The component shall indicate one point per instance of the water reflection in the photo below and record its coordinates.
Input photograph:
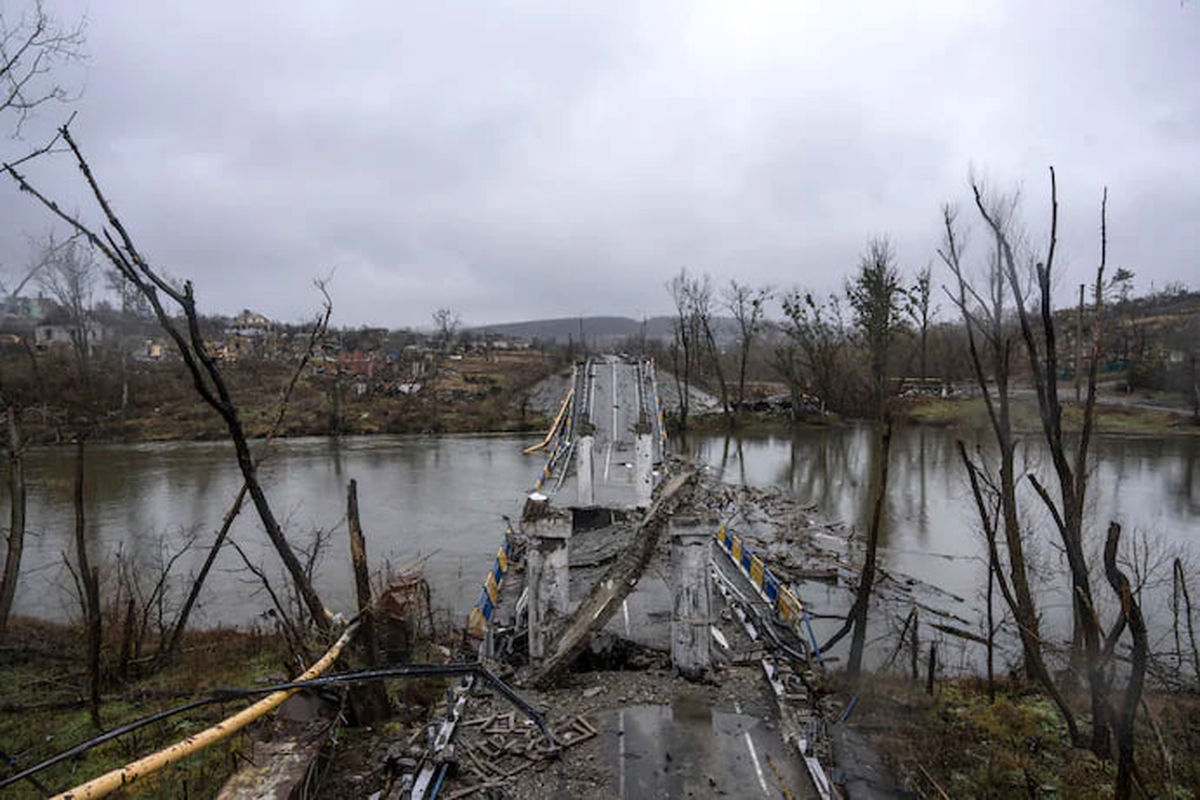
(1148, 484)
(436, 501)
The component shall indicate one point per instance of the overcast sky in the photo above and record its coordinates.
(520, 160)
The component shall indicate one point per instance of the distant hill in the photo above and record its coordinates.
(598, 331)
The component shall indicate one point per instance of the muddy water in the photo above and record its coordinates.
(1150, 485)
(437, 502)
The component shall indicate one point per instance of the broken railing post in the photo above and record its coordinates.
(547, 567)
(691, 614)
(644, 468)
(585, 489)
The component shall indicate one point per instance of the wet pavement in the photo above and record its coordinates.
(689, 748)
(613, 395)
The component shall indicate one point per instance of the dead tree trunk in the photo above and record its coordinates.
(991, 630)
(984, 317)
(194, 593)
(932, 668)
(1181, 589)
(1033, 657)
(1132, 613)
(16, 525)
(914, 649)
(185, 611)
(370, 701)
(89, 576)
(867, 580)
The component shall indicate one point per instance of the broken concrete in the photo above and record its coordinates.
(691, 614)
(547, 571)
(615, 585)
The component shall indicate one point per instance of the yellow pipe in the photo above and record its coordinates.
(111, 781)
(561, 410)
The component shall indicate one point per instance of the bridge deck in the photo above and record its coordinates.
(612, 395)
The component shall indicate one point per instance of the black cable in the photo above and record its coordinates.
(355, 676)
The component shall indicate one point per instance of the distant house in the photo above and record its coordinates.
(248, 332)
(149, 350)
(52, 335)
(25, 308)
(251, 324)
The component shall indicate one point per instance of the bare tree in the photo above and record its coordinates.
(919, 308)
(32, 46)
(684, 342)
(986, 318)
(206, 375)
(445, 326)
(984, 313)
(746, 304)
(69, 276)
(874, 294)
(700, 300)
(1071, 471)
(819, 333)
(320, 327)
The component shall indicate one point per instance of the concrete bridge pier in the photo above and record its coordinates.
(547, 568)
(644, 469)
(691, 614)
(584, 480)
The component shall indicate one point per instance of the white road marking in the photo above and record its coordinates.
(621, 754)
(737, 708)
(625, 611)
(613, 433)
(757, 767)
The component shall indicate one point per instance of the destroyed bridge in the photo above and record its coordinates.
(614, 557)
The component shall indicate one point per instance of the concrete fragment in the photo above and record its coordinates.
(547, 570)
(691, 615)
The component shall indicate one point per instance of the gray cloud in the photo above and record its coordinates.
(547, 159)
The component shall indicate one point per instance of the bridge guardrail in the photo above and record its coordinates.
(485, 606)
(767, 584)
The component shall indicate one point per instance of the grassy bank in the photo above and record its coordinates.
(42, 669)
(960, 744)
(158, 402)
(968, 414)
(1110, 418)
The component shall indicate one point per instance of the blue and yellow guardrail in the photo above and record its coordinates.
(485, 606)
(562, 443)
(768, 585)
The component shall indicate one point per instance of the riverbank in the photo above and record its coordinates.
(159, 403)
(1113, 418)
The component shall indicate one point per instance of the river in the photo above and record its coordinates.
(1151, 485)
(438, 502)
